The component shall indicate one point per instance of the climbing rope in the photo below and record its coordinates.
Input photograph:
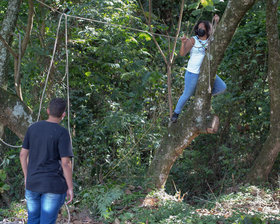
(49, 70)
(68, 212)
(67, 75)
(213, 27)
(46, 81)
(106, 23)
(7, 144)
(209, 71)
(68, 99)
(47, 77)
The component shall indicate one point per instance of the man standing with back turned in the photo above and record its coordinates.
(46, 164)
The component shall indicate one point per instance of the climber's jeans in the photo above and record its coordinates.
(190, 85)
(43, 208)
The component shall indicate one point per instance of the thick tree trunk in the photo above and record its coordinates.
(197, 118)
(265, 160)
(7, 29)
(14, 114)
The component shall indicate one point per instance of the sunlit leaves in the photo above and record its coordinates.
(206, 2)
(145, 36)
(207, 5)
(88, 74)
(131, 40)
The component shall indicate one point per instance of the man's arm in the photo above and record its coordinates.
(24, 162)
(67, 170)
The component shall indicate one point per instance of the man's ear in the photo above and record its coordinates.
(63, 115)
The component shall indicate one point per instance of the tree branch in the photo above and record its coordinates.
(22, 48)
(28, 27)
(8, 47)
(151, 30)
(178, 31)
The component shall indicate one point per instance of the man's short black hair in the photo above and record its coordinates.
(57, 107)
(207, 27)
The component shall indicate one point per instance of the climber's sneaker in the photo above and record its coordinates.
(174, 117)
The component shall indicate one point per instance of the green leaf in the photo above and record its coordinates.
(88, 74)
(3, 175)
(210, 8)
(205, 3)
(145, 36)
(131, 40)
(196, 12)
(6, 187)
(193, 5)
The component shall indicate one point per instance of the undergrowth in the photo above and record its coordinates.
(130, 204)
(134, 206)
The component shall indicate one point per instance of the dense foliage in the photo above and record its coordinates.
(119, 110)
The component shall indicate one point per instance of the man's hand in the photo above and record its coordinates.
(69, 196)
(67, 171)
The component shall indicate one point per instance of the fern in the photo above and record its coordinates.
(105, 201)
(101, 199)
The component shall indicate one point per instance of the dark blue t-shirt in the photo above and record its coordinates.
(47, 143)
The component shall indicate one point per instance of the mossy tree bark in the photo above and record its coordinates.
(271, 148)
(6, 31)
(14, 114)
(197, 117)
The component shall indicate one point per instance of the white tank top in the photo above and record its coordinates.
(197, 54)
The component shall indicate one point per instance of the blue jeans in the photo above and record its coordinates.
(190, 85)
(43, 208)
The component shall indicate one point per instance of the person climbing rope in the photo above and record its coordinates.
(196, 45)
(45, 161)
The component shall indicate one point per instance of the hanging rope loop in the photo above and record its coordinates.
(47, 78)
